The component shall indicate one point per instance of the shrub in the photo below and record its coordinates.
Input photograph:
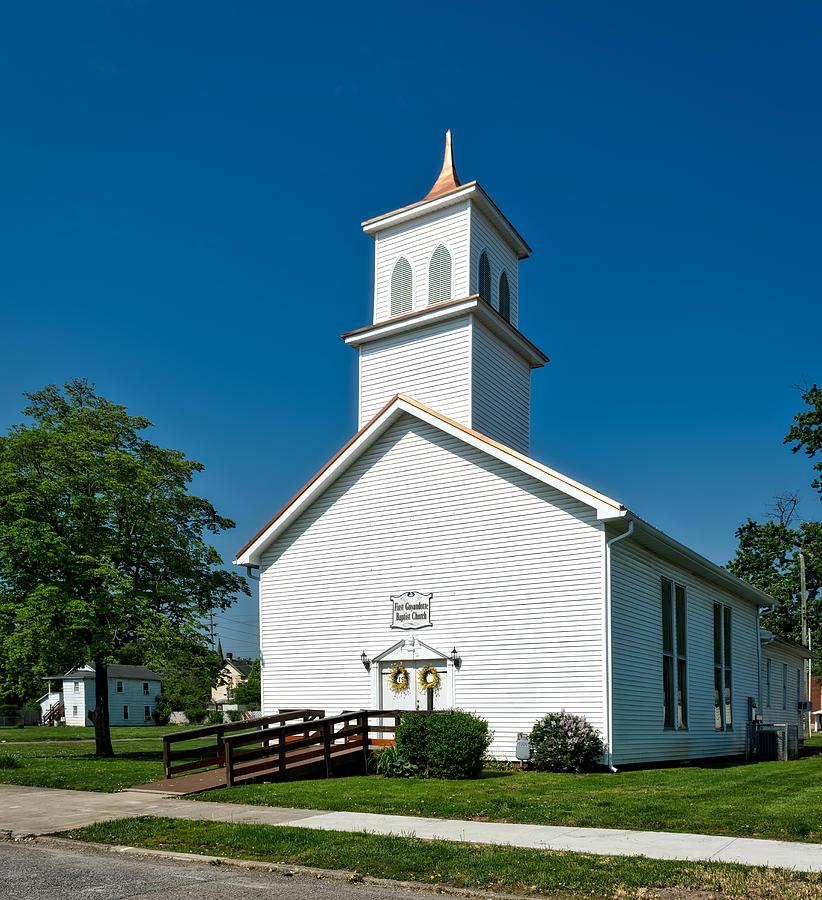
(215, 717)
(9, 760)
(234, 715)
(563, 742)
(391, 763)
(195, 714)
(446, 745)
(162, 710)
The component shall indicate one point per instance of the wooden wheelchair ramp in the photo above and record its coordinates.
(302, 744)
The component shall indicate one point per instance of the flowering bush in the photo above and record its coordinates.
(563, 742)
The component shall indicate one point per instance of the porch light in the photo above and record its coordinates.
(455, 658)
(365, 661)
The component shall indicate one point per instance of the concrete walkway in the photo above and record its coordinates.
(28, 810)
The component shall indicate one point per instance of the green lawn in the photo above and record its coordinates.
(569, 875)
(772, 800)
(37, 733)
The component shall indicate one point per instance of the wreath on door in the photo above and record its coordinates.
(429, 678)
(398, 678)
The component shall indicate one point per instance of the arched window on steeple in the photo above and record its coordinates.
(439, 276)
(504, 298)
(484, 277)
(402, 287)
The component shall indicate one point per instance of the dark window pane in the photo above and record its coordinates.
(717, 698)
(717, 634)
(728, 704)
(668, 688)
(728, 636)
(681, 645)
(682, 694)
(667, 618)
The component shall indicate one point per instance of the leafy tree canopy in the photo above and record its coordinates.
(768, 554)
(249, 692)
(101, 544)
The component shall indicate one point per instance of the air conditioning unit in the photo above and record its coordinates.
(778, 742)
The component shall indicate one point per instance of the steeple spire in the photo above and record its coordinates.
(448, 179)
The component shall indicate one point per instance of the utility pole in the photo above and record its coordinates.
(211, 626)
(803, 600)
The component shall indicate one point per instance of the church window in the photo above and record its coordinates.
(402, 281)
(722, 667)
(439, 276)
(674, 656)
(504, 298)
(484, 277)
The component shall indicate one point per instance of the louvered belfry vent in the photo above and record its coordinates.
(439, 276)
(504, 298)
(484, 277)
(402, 287)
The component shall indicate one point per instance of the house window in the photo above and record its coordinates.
(145, 689)
(504, 298)
(768, 668)
(674, 656)
(784, 685)
(484, 277)
(439, 276)
(76, 687)
(147, 713)
(798, 687)
(125, 712)
(119, 687)
(74, 710)
(402, 281)
(722, 667)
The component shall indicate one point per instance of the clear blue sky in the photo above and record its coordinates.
(181, 187)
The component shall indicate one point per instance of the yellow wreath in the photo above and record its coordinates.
(429, 677)
(398, 678)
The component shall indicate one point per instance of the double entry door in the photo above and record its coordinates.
(415, 696)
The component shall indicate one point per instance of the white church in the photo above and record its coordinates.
(433, 543)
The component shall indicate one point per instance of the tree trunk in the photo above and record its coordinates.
(102, 734)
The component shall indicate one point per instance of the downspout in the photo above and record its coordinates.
(608, 680)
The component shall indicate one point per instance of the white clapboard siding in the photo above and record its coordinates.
(639, 735)
(432, 365)
(500, 390)
(783, 707)
(514, 567)
(416, 241)
(501, 258)
(77, 698)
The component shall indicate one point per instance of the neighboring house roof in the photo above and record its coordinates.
(607, 509)
(768, 637)
(140, 673)
(243, 666)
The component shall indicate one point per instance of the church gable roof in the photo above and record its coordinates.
(605, 507)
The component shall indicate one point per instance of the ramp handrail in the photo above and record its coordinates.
(213, 755)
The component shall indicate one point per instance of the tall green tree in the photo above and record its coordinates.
(102, 546)
(249, 692)
(769, 552)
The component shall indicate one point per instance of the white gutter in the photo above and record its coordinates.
(609, 686)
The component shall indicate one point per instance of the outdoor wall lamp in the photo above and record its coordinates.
(455, 658)
(365, 661)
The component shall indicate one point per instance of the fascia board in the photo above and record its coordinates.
(472, 305)
(426, 317)
(493, 212)
(610, 509)
(251, 555)
(401, 216)
(692, 561)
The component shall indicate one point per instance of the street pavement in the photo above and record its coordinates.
(40, 871)
(30, 810)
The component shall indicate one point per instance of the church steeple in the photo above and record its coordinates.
(448, 179)
(446, 311)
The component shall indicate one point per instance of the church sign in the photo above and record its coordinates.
(411, 609)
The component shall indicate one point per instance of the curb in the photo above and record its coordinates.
(284, 869)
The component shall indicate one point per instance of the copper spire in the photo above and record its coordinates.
(448, 179)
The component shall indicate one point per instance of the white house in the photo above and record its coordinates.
(433, 540)
(233, 673)
(132, 695)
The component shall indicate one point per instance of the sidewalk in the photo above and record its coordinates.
(29, 810)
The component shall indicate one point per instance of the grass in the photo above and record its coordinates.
(441, 863)
(38, 733)
(73, 765)
(780, 800)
